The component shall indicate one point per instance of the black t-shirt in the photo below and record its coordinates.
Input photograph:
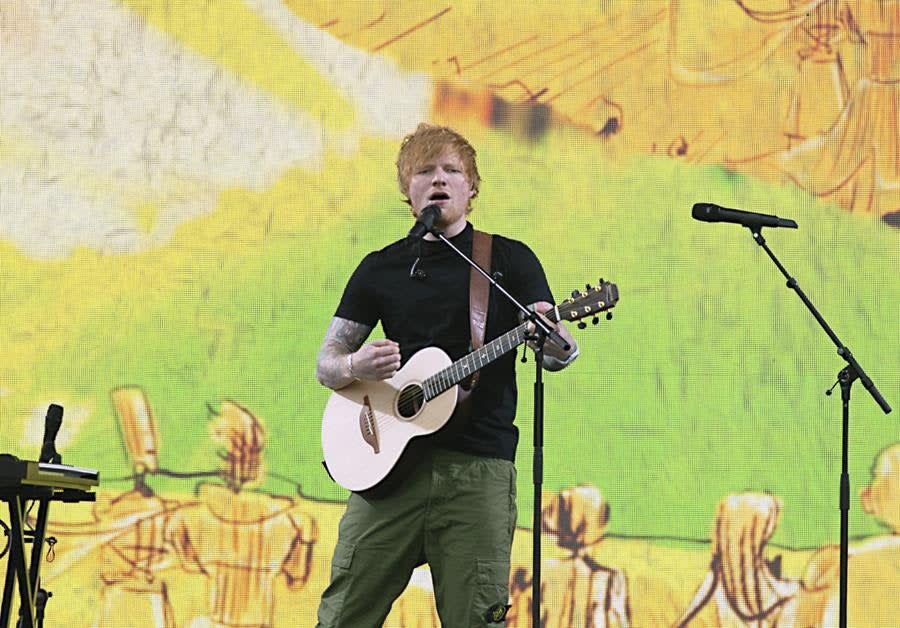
(434, 311)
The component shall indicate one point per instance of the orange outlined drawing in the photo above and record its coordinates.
(129, 529)
(856, 162)
(242, 540)
(842, 122)
(746, 587)
(576, 591)
(874, 561)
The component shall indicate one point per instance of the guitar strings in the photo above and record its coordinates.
(388, 422)
(446, 376)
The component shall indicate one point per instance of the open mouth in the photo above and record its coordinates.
(439, 196)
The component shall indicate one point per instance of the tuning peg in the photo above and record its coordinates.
(581, 324)
(575, 294)
(609, 316)
(601, 281)
(595, 320)
(587, 287)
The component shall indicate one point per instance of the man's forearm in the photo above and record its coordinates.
(555, 357)
(334, 366)
(554, 362)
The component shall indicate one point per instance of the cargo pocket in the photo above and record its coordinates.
(332, 604)
(513, 508)
(491, 599)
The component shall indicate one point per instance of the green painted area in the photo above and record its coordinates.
(709, 379)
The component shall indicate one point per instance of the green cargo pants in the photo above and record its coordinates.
(453, 510)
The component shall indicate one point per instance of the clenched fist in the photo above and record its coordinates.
(379, 359)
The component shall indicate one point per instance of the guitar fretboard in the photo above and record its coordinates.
(590, 303)
(462, 368)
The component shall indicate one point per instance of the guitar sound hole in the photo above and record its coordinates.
(410, 401)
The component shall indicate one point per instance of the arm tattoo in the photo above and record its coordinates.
(342, 338)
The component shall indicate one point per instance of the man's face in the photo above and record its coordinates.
(441, 181)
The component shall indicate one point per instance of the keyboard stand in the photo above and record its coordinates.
(28, 576)
(16, 568)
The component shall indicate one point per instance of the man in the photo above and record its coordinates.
(452, 501)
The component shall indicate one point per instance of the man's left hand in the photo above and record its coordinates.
(551, 349)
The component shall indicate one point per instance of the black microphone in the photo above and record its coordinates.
(708, 212)
(425, 222)
(52, 423)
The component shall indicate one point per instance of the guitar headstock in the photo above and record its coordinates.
(589, 302)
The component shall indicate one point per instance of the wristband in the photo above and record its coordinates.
(350, 365)
(571, 357)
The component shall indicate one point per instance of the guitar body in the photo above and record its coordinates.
(367, 425)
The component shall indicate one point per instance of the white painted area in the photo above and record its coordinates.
(390, 101)
(421, 577)
(116, 115)
(876, 544)
(47, 216)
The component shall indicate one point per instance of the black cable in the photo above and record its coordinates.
(8, 537)
(25, 522)
(288, 480)
(165, 473)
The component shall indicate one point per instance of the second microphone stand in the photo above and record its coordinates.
(542, 331)
(845, 378)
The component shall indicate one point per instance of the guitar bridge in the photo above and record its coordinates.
(367, 425)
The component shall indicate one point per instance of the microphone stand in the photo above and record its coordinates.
(542, 331)
(845, 378)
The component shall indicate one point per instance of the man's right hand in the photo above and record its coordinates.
(379, 359)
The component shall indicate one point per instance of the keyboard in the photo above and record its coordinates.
(15, 472)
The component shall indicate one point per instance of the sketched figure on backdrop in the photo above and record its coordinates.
(128, 564)
(809, 31)
(821, 90)
(875, 561)
(242, 540)
(129, 530)
(576, 591)
(881, 497)
(747, 589)
(854, 160)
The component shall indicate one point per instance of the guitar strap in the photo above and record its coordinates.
(479, 292)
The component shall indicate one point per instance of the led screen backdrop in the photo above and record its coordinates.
(185, 187)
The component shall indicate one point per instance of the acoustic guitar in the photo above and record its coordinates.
(368, 424)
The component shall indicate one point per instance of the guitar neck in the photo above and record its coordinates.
(478, 359)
